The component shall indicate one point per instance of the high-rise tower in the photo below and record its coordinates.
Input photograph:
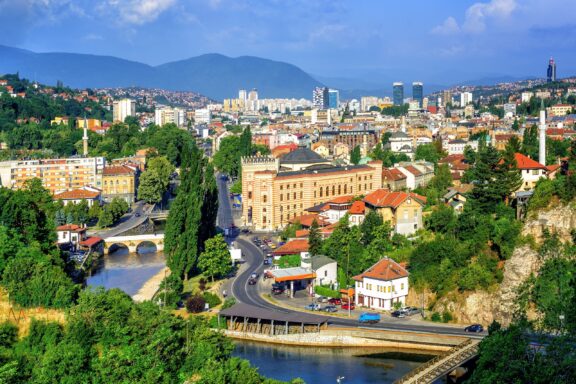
(418, 93)
(398, 93)
(542, 138)
(551, 72)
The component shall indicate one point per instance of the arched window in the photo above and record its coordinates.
(265, 198)
(333, 190)
(321, 194)
(339, 190)
(345, 188)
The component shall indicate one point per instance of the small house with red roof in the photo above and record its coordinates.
(531, 171)
(402, 209)
(75, 196)
(393, 179)
(382, 286)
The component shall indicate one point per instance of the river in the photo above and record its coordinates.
(127, 271)
(324, 365)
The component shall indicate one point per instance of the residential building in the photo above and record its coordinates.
(531, 171)
(446, 97)
(320, 97)
(123, 108)
(560, 109)
(57, 175)
(393, 179)
(400, 142)
(382, 286)
(365, 138)
(336, 209)
(70, 234)
(120, 181)
(76, 196)
(456, 147)
(202, 116)
(465, 98)
(274, 191)
(167, 115)
(398, 93)
(418, 173)
(418, 93)
(357, 213)
(402, 209)
(324, 268)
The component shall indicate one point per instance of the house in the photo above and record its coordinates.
(531, 171)
(393, 179)
(357, 213)
(382, 286)
(120, 181)
(292, 247)
(325, 269)
(456, 147)
(418, 173)
(400, 142)
(336, 209)
(71, 235)
(456, 197)
(75, 196)
(402, 209)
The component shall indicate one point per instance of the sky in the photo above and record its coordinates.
(441, 41)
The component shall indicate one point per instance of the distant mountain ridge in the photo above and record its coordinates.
(213, 75)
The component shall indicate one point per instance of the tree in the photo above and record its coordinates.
(442, 180)
(530, 142)
(151, 187)
(162, 166)
(355, 155)
(245, 145)
(368, 227)
(487, 192)
(427, 152)
(215, 260)
(509, 176)
(105, 219)
(227, 159)
(314, 239)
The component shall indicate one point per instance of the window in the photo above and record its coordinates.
(405, 214)
(301, 194)
(281, 197)
(314, 194)
(333, 190)
(301, 185)
(294, 194)
(264, 210)
(249, 194)
(321, 192)
(345, 188)
(326, 273)
(281, 187)
(339, 190)
(402, 286)
(265, 198)
(535, 172)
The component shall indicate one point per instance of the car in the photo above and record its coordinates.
(476, 328)
(254, 275)
(312, 307)
(330, 308)
(322, 299)
(137, 214)
(266, 261)
(335, 301)
(245, 231)
(399, 313)
(277, 290)
(410, 311)
(348, 306)
(252, 282)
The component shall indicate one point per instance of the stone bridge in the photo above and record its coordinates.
(133, 242)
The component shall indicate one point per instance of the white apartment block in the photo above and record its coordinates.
(123, 108)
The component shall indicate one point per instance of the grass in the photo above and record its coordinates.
(22, 317)
(402, 254)
(192, 285)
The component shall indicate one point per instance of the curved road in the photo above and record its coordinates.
(248, 294)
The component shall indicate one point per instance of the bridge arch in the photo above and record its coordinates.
(111, 248)
(146, 246)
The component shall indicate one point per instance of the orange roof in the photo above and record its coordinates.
(413, 170)
(70, 227)
(552, 168)
(91, 241)
(357, 208)
(341, 200)
(392, 174)
(386, 198)
(386, 269)
(292, 247)
(310, 275)
(117, 170)
(308, 219)
(524, 162)
(302, 233)
(76, 194)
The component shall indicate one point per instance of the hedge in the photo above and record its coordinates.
(325, 291)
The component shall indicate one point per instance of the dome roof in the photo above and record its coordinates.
(302, 156)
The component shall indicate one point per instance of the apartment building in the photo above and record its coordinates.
(120, 181)
(57, 175)
(274, 191)
(123, 108)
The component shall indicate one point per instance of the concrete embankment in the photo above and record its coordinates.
(336, 337)
(150, 288)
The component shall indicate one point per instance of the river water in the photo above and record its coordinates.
(325, 365)
(127, 271)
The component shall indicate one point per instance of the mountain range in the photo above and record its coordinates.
(213, 75)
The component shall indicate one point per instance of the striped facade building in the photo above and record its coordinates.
(274, 191)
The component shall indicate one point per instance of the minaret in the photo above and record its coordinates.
(403, 124)
(85, 137)
(542, 132)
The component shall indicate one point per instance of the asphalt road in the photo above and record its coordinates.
(128, 221)
(254, 258)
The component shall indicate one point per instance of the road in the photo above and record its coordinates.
(254, 258)
(131, 220)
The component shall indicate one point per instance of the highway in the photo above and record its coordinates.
(248, 294)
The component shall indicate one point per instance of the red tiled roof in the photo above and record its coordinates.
(70, 227)
(413, 170)
(552, 168)
(341, 200)
(76, 194)
(392, 174)
(386, 198)
(524, 162)
(117, 170)
(504, 136)
(293, 247)
(357, 208)
(386, 269)
(91, 241)
(452, 158)
(302, 233)
(308, 219)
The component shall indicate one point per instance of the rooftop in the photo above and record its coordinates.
(292, 247)
(386, 269)
(250, 311)
(302, 156)
(524, 162)
(393, 199)
(117, 170)
(76, 194)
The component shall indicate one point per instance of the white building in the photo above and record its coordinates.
(325, 269)
(456, 147)
(531, 171)
(166, 115)
(465, 98)
(202, 116)
(123, 108)
(382, 286)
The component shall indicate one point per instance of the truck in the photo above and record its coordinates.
(369, 318)
(236, 254)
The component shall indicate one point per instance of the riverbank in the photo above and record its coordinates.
(345, 338)
(151, 286)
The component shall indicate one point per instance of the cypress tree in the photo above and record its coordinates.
(314, 239)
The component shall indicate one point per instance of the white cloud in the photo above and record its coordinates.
(476, 16)
(449, 27)
(137, 12)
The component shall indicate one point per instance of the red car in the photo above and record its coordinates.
(346, 305)
(335, 301)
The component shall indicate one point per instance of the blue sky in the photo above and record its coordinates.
(437, 41)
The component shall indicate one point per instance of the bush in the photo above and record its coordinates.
(8, 334)
(325, 291)
(230, 301)
(212, 299)
(202, 284)
(436, 317)
(447, 317)
(195, 304)
(289, 261)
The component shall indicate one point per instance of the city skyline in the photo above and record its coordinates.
(456, 42)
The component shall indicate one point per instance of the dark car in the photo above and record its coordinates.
(252, 282)
(477, 328)
(410, 311)
(245, 231)
(399, 313)
(137, 214)
(335, 301)
(330, 308)
(277, 290)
